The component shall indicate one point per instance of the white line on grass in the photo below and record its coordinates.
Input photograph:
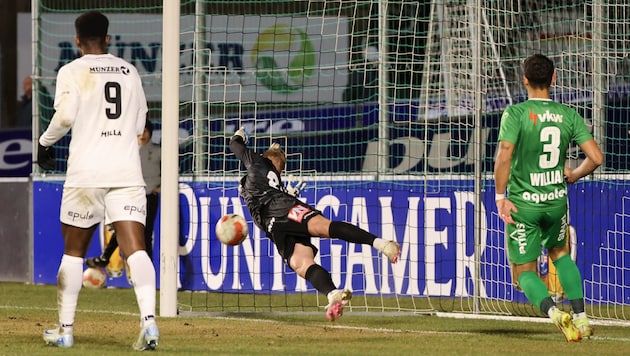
(347, 327)
(400, 331)
(78, 310)
(420, 332)
(537, 320)
(363, 328)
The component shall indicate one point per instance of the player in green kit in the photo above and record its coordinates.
(530, 165)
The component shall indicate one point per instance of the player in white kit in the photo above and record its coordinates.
(100, 97)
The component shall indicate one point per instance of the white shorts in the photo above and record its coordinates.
(86, 207)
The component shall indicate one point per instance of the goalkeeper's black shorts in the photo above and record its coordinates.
(291, 229)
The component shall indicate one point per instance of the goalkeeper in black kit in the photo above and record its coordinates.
(290, 223)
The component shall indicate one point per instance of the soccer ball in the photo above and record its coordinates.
(94, 278)
(231, 229)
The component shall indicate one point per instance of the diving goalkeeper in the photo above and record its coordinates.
(290, 223)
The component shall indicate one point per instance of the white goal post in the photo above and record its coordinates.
(169, 242)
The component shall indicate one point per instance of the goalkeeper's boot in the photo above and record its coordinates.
(337, 299)
(565, 324)
(392, 251)
(97, 262)
(57, 337)
(583, 325)
(148, 338)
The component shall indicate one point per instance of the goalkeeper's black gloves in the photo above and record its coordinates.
(45, 157)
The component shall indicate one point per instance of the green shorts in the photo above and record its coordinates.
(532, 230)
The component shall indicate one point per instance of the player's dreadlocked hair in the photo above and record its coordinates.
(276, 154)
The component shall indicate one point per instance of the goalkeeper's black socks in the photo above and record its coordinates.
(320, 279)
(351, 233)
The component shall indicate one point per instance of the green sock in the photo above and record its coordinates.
(533, 287)
(569, 276)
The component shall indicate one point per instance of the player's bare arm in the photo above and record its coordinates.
(502, 166)
(594, 159)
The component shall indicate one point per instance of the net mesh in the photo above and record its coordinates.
(388, 110)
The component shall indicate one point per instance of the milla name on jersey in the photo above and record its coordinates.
(111, 133)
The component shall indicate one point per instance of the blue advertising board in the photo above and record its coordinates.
(435, 230)
(16, 153)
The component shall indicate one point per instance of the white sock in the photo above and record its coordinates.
(69, 283)
(379, 243)
(330, 294)
(143, 278)
(579, 315)
(551, 310)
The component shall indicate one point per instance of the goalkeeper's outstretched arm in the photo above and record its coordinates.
(238, 147)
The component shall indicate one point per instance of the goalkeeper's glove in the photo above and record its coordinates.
(296, 189)
(243, 134)
(45, 157)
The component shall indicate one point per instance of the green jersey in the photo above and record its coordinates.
(541, 131)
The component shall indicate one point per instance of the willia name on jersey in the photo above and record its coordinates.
(111, 133)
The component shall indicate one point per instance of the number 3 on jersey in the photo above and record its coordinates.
(112, 96)
(550, 136)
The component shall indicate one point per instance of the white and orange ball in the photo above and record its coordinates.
(94, 278)
(231, 229)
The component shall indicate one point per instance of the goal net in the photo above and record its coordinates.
(389, 110)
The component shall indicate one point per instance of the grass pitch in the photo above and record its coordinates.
(107, 324)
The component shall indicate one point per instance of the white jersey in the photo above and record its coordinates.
(99, 97)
